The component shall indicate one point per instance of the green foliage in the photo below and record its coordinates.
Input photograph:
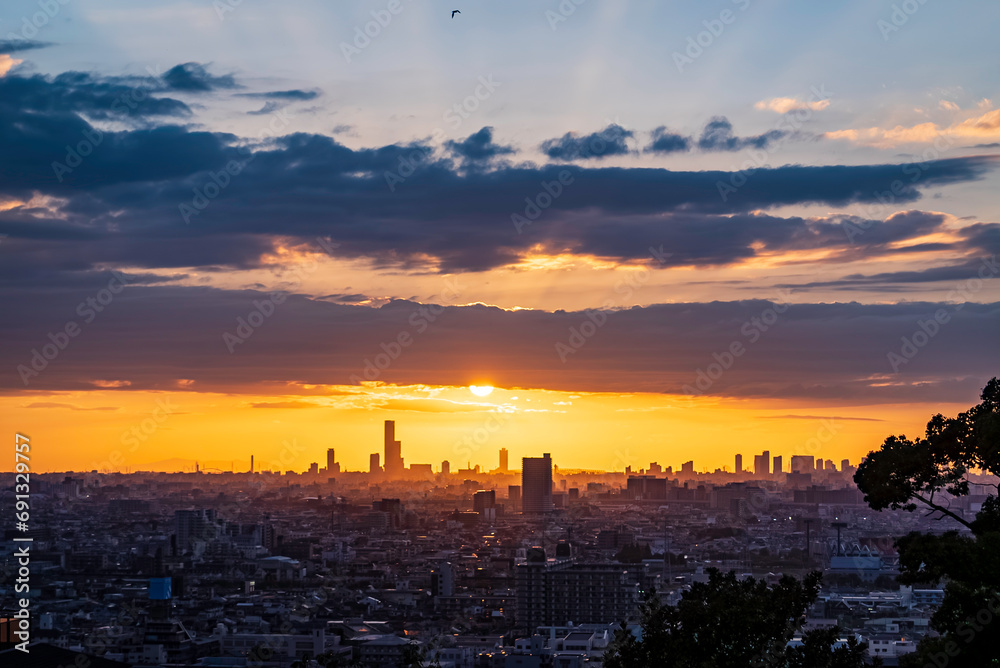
(731, 623)
(903, 474)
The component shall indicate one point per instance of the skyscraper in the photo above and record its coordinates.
(739, 463)
(373, 466)
(777, 464)
(762, 464)
(536, 484)
(513, 496)
(503, 459)
(393, 451)
(802, 463)
(446, 467)
(331, 461)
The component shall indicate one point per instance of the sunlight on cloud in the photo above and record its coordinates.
(7, 63)
(782, 105)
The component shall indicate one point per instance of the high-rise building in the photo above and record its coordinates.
(777, 464)
(446, 467)
(536, 484)
(393, 451)
(687, 468)
(192, 525)
(762, 464)
(314, 468)
(819, 464)
(483, 499)
(646, 487)
(802, 463)
(443, 580)
(513, 496)
(503, 459)
(830, 466)
(331, 461)
(739, 463)
(564, 590)
(654, 469)
(373, 466)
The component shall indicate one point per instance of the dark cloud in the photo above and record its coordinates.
(294, 95)
(718, 136)
(478, 147)
(195, 78)
(571, 146)
(269, 107)
(16, 45)
(43, 103)
(279, 99)
(665, 141)
(153, 336)
(122, 202)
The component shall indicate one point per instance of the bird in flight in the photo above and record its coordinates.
(453, 12)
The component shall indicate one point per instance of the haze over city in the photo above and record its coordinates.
(768, 195)
(429, 308)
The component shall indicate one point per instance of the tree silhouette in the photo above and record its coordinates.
(930, 472)
(732, 623)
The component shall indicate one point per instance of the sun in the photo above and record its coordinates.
(481, 390)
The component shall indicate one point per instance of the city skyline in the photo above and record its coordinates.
(685, 234)
(392, 450)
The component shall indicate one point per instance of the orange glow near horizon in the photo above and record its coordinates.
(116, 430)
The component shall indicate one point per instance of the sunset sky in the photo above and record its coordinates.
(662, 231)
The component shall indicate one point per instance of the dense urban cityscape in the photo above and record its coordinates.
(453, 567)
(520, 334)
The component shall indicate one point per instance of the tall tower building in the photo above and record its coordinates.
(446, 467)
(331, 461)
(503, 459)
(739, 463)
(777, 464)
(762, 464)
(393, 451)
(373, 466)
(536, 484)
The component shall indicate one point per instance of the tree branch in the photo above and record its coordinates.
(944, 511)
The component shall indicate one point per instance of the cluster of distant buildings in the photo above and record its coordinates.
(469, 569)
